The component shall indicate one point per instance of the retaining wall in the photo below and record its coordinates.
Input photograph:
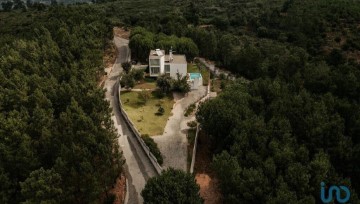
(138, 137)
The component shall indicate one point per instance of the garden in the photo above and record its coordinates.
(148, 110)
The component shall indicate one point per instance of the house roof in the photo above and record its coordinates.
(177, 59)
(156, 53)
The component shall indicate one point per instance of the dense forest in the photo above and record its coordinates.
(294, 124)
(57, 140)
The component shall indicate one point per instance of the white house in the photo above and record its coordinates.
(160, 63)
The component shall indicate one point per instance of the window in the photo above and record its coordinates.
(167, 68)
(154, 62)
(155, 70)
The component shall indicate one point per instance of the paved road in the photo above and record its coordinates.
(173, 142)
(138, 167)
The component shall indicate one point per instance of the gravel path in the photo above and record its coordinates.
(173, 142)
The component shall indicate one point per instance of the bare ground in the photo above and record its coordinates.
(122, 33)
(204, 175)
(119, 190)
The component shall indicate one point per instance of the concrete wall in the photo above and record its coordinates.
(175, 68)
(162, 65)
(194, 151)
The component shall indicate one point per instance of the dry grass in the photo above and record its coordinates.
(145, 85)
(144, 115)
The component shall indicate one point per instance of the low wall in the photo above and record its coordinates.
(194, 150)
(204, 98)
(138, 137)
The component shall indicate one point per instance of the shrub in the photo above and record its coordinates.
(161, 111)
(190, 109)
(143, 96)
(180, 84)
(164, 83)
(222, 76)
(212, 75)
(138, 74)
(172, 186)
(126, 66)
(191, 136)
(127, 81)
(222, 85)
(154, 149)
(192, 124)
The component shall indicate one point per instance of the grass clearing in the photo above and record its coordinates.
(143, 115)
(145, 85)
(205, 75)
(193, 68)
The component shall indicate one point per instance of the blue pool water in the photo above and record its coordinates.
(194, 76)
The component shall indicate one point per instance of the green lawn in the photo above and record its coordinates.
(192, 68)
(145, 85)
(144, 115)
(205, 75)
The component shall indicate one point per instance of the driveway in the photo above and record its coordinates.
(138, 168)
(173, 142)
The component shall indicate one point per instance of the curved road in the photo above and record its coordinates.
(138, 168)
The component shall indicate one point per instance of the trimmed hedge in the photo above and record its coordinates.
(154, 149)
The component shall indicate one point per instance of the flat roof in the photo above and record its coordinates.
(156, 53)
(177, 59)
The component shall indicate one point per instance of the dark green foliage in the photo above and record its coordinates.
(190, 109)
(164, 83)
(142, 41)
(154, 149)
(42, 186)
(58, 143)
(270, 139)
(222, 85)
(161, 111)
(7, 6)
(191, 134)
(192, 124)
(172, 186)
(127, 81)
(275, 139)
(180, 84)
(126, 66)
(110, 199)
(138, 74)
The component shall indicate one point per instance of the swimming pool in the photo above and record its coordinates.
(194, 76)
